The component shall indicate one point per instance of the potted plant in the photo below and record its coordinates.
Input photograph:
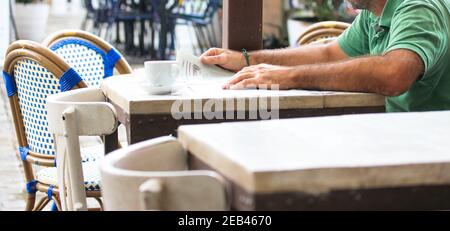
(31, 19)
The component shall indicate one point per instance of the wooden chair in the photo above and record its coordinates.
(153, 176)
(71, 115)
(92, 57)
(32, 73)
(322, 32)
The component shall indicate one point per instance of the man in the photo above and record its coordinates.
(397, 48)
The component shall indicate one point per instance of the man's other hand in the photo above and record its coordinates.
(269, 76)
(227, 59)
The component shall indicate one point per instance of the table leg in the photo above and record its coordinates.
(141, 38)
(163, 15)
(152, 45)
(111, 142)
(118, 33)
(143, 10)
(127, 37)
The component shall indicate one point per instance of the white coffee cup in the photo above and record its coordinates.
(161, 73)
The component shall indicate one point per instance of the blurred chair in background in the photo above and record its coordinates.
(82, 112)
(101, 14)
(322, 32)
(199, 15)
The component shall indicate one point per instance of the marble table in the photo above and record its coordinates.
(354, 162)
(147, 116)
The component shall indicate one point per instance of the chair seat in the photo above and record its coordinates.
(90, 157)
(91, 173)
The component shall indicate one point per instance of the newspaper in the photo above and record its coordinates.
(193, 70)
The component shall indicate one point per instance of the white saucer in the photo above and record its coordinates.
(159, 90)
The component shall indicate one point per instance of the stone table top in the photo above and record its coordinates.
(316, 155)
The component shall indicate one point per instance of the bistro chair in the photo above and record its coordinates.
(130, 13)
(101, 14)
(32, 73)
(93, 58)
(322, 32)
(153, 175)
(82, 112)
(91, 15)
(199, 14)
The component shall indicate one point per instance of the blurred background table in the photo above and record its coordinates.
(154, 22)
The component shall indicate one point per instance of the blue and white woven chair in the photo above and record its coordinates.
(32, 73)
(93, 58)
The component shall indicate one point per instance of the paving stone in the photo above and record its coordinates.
(11, 177)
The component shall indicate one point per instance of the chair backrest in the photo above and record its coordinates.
(164, 160)
(198, 9)
(32, 72)
(322, 32)
(70, 115)
(92, 57)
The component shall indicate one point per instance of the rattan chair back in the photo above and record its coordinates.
(322, 32)
(92, 57)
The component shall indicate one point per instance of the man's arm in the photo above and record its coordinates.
(235, 61)
(313, 54)
(390, 75)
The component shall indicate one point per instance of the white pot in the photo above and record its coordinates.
(31, 20)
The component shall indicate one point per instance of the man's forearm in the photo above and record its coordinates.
(295, 56)
(377, 74)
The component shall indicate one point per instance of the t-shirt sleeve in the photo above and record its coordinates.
(355, 40)
(421, 29)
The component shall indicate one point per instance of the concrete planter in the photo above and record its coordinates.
(31, 20)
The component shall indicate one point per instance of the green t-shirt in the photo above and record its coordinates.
(422, 26)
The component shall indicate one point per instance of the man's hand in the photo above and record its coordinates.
(266, 75)
(227, 59)
(235, 61)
